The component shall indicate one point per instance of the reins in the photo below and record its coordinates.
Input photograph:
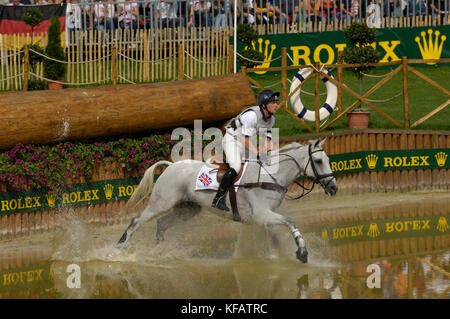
(276, 185)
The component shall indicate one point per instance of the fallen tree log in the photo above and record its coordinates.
(80, 113)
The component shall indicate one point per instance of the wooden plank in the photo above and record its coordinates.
(365, 147)
(360, 175)
(420, 183)
(354, 176)
(17, 220)
(426, 78)
(405, 92)
(426, 117)
(412, 173)
(381, 174)
(427, 173)
(435, 172)
(396, 173)
(389, 182)
(374, 183)
(404, 182)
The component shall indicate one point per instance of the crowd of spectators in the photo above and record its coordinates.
(373, 11)
(108, 15)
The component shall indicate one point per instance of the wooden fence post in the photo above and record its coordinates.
(26, 67)
(180, 61)
(244, 70)
(340, 72)
(230, 69)
(283, 75)
(405, 91)
(114, 65)
(317, 97)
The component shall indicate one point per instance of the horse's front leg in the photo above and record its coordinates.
(273, 218)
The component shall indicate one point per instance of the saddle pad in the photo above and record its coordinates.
(207, 178)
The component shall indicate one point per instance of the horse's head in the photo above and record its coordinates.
(318, 167)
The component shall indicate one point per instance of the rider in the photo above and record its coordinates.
(238, 133)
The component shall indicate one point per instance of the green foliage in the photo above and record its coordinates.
(53, 166)
(32, 17)
(37, 85)
(358, 55)
(246, 34)
(34, 58)
(52, 69)
(360, 34)
(251, 54)
(360, 37)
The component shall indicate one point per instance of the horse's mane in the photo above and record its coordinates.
(289, 147)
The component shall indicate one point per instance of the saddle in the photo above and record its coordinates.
(221, 169)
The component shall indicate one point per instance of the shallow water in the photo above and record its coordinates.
(407, 242)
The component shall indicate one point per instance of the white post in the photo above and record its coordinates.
(235, 37)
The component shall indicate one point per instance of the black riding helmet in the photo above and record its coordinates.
(267, 96)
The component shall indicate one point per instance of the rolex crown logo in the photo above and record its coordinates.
(371, 160)
(267, 55)
(51, 199)
(373, 230)
(430, 49)
(441, 157)
(442, 225)
(108, 189)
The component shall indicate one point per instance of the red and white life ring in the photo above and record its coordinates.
(329, 105)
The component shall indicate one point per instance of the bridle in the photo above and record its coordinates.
(317, 179)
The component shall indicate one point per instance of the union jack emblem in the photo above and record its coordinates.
(205, 179)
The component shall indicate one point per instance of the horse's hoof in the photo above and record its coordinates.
(236, 218)
(302, 254)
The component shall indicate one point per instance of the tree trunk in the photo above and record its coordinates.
(71, 114)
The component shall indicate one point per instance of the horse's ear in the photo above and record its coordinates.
(314, 142)
(322, 142)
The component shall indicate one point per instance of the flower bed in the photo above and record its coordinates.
(51, 166)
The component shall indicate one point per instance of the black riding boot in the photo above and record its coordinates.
(227, 180)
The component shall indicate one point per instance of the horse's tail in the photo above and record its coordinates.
(144, 188)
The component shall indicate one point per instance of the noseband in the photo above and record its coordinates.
(317, 177)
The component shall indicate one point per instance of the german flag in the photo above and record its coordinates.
(11, 23)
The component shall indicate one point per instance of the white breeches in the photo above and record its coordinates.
(233, 151)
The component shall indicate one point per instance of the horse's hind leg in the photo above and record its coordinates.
(182, 213)
(151, 211)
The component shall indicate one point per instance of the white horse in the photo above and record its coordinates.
(175, 188)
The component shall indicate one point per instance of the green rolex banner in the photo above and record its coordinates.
(121, 189)
(76, 195)
(367, 161)
(392, 44)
